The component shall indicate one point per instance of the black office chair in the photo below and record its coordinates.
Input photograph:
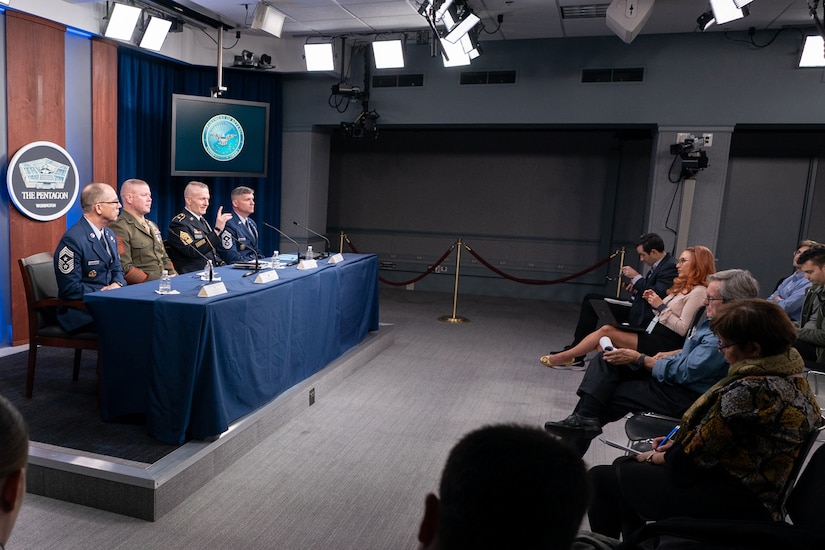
(801, 498)
(40, 285)
(642, 428)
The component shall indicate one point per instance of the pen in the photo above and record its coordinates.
(668, 436)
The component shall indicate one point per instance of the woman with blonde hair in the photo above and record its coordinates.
(673, 316)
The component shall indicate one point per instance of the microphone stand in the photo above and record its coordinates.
(329, 245)
(209, 267)
(297, 246)
(257, 263)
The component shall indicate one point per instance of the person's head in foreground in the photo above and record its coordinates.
(507, 486)
(14, 452)
(751, 329)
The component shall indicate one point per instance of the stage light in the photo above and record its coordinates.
(388, 54)
(122, 22)
(462, 28)
(426, 6)
(155, 33)
(725, 11)
(268, 19)
(705, 20)
(453, 55)
(319, 57)
(813, 52)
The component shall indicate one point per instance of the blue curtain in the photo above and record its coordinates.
(145, 87)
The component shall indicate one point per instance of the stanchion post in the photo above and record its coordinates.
(619, 280)
(453, 318)
(341, 242)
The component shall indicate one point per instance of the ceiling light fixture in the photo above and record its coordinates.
(122, 22)
(453, 55)
(268, 19)
(388, 54)
(705, 20)
(155, 33)
(462, 27)
(725, 11)
(813, 52)
(319, 57)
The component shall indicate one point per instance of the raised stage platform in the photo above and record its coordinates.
(150, 490)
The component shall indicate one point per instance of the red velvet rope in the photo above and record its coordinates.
(536, 281)
(429, 270)
(491, 267)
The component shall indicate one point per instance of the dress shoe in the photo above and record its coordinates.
(575, 427)
(573, 364)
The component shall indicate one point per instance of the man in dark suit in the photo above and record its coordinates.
(86, 258)
(192, 241)
(651, 250)
(239, 240)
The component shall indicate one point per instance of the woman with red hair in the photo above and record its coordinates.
(674, 314)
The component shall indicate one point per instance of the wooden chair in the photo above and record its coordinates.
(40, 284)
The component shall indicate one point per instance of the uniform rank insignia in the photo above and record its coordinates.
(92, 274)
(185, 238)
(65, 260)
(226, 240)
(179, 217)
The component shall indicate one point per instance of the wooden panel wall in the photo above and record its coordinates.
(104, 108)
(35, 72)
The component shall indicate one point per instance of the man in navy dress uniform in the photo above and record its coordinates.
(239, 240)
(86, 258)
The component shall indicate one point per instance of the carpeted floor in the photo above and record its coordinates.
(353, 470)
(64, 413)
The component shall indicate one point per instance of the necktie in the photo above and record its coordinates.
(102, 239)
(206, 224)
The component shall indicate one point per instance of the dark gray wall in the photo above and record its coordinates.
(750, 209)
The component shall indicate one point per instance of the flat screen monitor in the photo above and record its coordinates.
(219, 137)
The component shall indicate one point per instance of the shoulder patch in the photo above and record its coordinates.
(179, 218)
(186, 238)
(65, 260)
(226, 240)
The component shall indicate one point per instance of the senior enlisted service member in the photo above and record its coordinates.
(192, 240)
(139, 242)
(86, 258)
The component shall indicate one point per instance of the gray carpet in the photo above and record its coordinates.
(353, 470)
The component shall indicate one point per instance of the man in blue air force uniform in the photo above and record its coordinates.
(86, 258)
(239, 240)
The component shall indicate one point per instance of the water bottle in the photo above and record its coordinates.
(310, 255)
(165, 284)
(276, 260)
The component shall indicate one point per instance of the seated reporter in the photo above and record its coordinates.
(674, 314)
(737, 443)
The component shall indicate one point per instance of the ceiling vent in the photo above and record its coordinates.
(584, 11)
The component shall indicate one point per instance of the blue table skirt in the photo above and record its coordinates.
(193, 365)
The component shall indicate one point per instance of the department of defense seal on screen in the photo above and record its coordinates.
(222, 137)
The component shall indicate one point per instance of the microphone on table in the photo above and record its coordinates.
(329, 245)
(257, 267)
(187, 240)
(297, 246)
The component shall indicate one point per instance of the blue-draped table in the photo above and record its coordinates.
(193, 365)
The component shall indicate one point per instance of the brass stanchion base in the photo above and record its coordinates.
(453, 320)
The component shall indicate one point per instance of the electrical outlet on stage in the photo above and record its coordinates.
(311, 397)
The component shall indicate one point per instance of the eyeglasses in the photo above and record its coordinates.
(710, 299)
(722, 347)
(682, 261)
(108, 202)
